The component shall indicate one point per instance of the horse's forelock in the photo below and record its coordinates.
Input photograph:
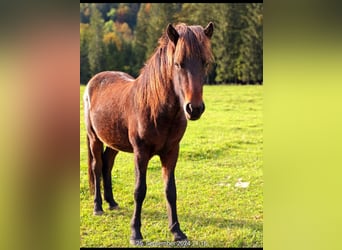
(193, 43)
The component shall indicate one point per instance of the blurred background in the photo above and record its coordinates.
(122, 36)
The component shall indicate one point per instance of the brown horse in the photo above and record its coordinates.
(147, 116)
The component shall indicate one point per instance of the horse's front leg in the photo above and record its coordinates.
(169, 160)
(140, 160)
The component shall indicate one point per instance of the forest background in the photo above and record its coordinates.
(122, 36)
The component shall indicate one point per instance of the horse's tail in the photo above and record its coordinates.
(90, 171)
(90, 155)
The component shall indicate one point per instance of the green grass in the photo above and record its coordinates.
(223, 146)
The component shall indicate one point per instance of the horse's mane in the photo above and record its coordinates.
(155, 80)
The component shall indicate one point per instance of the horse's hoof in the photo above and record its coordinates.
(114, 207)
(136, 242)
(98, 212)
(181, 239)
(180, 236)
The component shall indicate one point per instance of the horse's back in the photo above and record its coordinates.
(108, 85)
(108, 79)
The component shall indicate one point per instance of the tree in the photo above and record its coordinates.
(84, 62)
(160, 15)
(248, 65)
(196, 14)
(140, 36)
(111, 50)
(257, 42)
(96, 46)
(222, 43)
(84, 12)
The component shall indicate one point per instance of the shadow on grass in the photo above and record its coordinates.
(220, 222)
(194, 222)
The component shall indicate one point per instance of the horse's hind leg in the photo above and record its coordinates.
(96, 149)
(108, 162)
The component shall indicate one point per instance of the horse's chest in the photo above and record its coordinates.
(165, 135)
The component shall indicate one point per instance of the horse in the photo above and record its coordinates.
(147, 116)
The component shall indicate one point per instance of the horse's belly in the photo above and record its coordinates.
(114, 135)
(118, 142)
(122, 147)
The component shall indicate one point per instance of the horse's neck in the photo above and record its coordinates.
(158, 100)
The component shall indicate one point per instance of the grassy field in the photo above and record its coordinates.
(222, 148)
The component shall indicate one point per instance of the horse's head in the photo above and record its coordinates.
(191, 59)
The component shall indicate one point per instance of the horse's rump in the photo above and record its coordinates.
(109, 95)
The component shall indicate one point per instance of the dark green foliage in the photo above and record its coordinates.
(84, 12)
(84, 62)
(161, 14)
(140, 35)
(96, 46)
(237, 41)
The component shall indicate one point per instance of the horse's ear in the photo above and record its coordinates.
(208, 31)
(172, 33)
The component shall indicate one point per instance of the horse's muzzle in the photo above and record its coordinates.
(193, 112)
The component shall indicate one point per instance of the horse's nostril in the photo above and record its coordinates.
(194, 112)
(188, 108)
